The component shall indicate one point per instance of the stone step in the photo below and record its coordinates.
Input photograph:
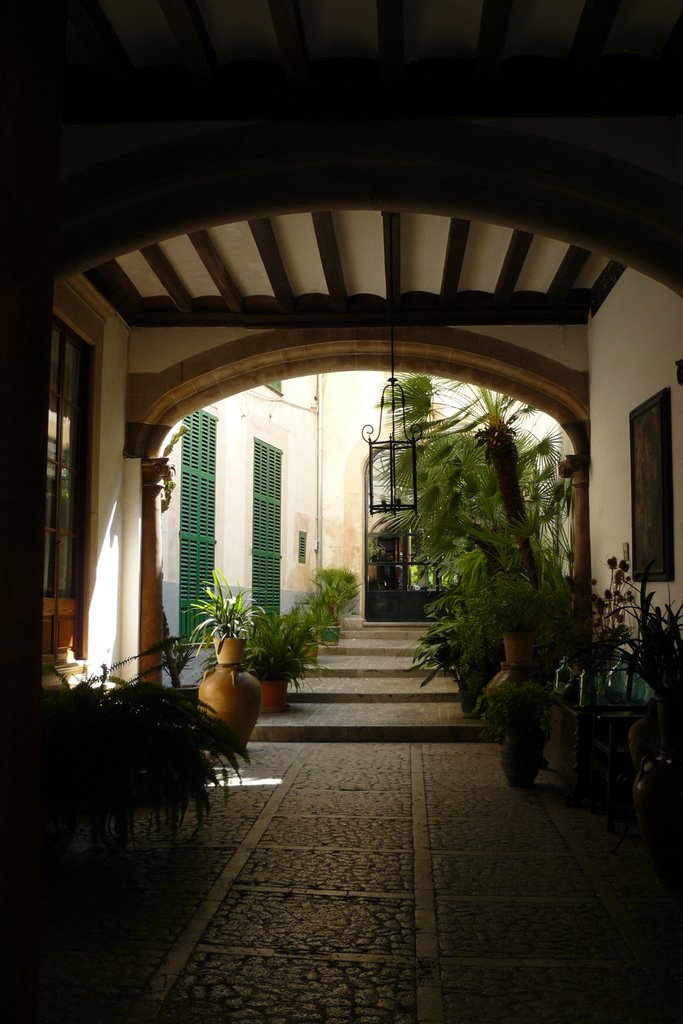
(366, 665)
(374, 723)
(377, 648)
(369, 689)
(383, 633)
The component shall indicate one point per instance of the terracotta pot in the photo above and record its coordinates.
(231, 650)
(274, 695)
(512, 673)
(235, 696)
(519, 647)
(521, 756)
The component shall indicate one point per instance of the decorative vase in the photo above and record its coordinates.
(658, 800)
(519, 647)
(235, 696)
(643, 737)
(274, 695)
(521, 755)
(231, 650)
(512, 673)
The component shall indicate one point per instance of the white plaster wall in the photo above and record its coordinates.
(288, 422)
(107, 598)
(634, 342)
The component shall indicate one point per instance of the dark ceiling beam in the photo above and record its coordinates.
(266, 242)
(455, 255)
(191, 37)
(390, 40)
(96, 33)
(291, 39)
(565, 277)
(331, 260)
(671, 59)
(391, 223)
(512, 266)
(592, 32)
(483, 312)
(160, 264)
(112, 281)
(493, 30)
(604, 284)
(216, 269)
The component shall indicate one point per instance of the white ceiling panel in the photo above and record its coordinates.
(141, 274)
(541, 264)
(540, 27)
(593, 267)
(486, 248)
(361, 246)
(240, 29)
(300, 254)
(436, 29)
(424, 239)
(235, 243)
(340, 29)
(187, 264)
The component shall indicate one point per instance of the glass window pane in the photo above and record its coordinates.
(52, 429)
(65, 567)
(50, 502)
(69, 436)
(49, 566)
(54, 361)
(66, 500)
(72, 369)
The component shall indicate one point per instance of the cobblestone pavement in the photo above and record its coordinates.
(365, 884)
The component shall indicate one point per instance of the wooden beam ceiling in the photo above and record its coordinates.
(291, 38)
(323, 226)
(160, 264)
(217, 270)
(190, 34)
(96, 33)
(264, 236)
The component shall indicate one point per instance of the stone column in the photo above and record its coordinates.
(577, 467)
(154, 473)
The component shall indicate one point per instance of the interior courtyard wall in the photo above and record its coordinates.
(635, 340)
(84, 312)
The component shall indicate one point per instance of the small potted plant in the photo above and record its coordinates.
(338, 589)
(278, 653)
(517, 716)
(226, 618)
(457, 645)
(517, 610)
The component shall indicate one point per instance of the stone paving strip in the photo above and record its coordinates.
(358, 883)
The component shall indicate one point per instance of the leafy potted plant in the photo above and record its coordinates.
(338, 589)
(516, 610)
(457, 644)
(226, 617)
(232, 692)
(112, 750)
(278, 652)
(517, 715)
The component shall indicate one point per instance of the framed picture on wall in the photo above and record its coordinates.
(651, 488)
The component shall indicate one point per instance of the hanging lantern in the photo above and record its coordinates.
(387, 494)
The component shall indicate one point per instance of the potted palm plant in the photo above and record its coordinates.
(337, 589)
(278, 652)
(517, 715)
(232, 692)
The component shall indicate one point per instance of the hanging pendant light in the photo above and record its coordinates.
(387, 494)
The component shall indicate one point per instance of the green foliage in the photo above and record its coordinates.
(655, 652)
(225, 614)
(110, 753)
(516, 708)
(316, 610)
(279, 646)
(338, 588)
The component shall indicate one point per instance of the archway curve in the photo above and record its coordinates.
(446, 166)
(156, 401)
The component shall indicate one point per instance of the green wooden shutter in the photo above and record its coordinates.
(197, 512)
(265, 565)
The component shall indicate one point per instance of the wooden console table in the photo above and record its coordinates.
(589, 739)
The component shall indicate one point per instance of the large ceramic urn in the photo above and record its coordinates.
(233, 693)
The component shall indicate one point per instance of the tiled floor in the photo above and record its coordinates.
(366, 884)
